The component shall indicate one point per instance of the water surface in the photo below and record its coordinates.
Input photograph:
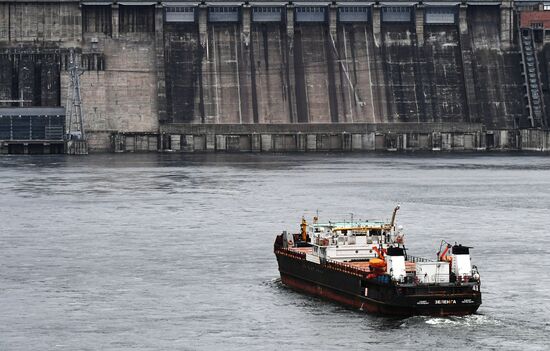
(174, 252)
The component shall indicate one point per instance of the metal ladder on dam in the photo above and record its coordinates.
(532, 84)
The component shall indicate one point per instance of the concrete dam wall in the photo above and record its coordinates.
(275, 76)
(353, 74)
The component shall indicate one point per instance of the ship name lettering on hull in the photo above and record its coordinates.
(445, 302)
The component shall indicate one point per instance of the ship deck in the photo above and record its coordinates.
(361, 265)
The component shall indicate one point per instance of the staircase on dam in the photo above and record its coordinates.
(531, 73)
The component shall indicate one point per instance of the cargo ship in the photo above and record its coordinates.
(365, 265)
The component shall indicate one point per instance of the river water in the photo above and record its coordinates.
(174, 252)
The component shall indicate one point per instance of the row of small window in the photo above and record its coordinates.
(267, 9)
(180, 9)
(353, 9)
(310, 9)
(223, 9)
(299, 9)
(396, 9)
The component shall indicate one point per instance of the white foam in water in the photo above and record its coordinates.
(468, 321)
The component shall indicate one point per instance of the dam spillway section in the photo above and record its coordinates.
(286, 76)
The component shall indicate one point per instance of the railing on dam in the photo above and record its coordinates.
(288, 3)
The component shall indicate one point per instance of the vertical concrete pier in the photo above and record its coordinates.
(466, 52)
(159, 63)
(419, 23)
(376, 23)
(333, 21)
(202, 18)
(114, 21)
(506, 23)
(245, 26)
(290, 74)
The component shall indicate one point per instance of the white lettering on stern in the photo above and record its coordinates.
(445, 302)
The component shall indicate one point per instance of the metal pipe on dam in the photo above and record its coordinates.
(280, 76)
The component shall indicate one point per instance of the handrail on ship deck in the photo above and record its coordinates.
(340, 266)
(361, 272)
(415, 259)
(362, 228)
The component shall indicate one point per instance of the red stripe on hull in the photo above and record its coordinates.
(369, 305)
(317, 290)
(345, 299)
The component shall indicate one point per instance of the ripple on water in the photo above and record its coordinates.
(166, 252)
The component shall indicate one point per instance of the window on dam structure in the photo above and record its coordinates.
(400, 14)
(179, 14)
(310, 14)
(353, 14)
(223, 14)
(136, 18)
(97, 19)
(267, 14)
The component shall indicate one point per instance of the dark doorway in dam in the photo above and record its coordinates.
(183, 73)
(97, 19)
(35, 149)
(137, 18)
(538, 36)
(32, 77)
(490, 141)
(16, 149)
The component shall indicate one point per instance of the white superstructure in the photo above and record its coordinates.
(353, 240)
(378, 247)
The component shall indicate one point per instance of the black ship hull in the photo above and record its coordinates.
(355, 290)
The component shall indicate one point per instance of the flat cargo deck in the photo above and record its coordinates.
(362, 265)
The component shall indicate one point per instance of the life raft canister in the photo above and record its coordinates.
(377, 263)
